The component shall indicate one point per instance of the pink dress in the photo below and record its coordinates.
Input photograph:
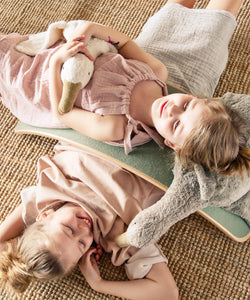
(98, 186)
(24, 86)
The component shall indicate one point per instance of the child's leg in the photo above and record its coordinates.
(230, 5)
(186, 3)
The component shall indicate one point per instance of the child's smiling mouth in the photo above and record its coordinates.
(86, 220)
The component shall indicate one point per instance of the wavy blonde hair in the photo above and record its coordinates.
(218, 143)
(28, 257)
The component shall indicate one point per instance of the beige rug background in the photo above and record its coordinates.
(205, 263)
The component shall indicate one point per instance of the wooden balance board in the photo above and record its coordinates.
(148, 161)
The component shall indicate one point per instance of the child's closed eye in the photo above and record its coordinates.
(176, 124)
(186, 105)
(69, 229)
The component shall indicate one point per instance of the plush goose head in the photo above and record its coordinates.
(76, 73)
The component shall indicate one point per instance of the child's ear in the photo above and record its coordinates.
(44, 214)
(171, 145)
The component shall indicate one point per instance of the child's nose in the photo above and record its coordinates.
(173, 109)
(81, 228)
(78, 231)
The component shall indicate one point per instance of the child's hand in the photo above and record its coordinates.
(70, 49)
(83, 39)
(83, 30)
(88, 266)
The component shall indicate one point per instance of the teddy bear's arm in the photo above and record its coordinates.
(180, 200)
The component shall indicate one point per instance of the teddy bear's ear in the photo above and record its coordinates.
(69, 94)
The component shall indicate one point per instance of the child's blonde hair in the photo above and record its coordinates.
(28, 257)
(218, 143)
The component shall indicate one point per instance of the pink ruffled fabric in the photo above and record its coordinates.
(98, 187)
(24, 85)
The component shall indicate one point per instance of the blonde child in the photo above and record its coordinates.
(194, 186)
(71, 206)
(126, 101)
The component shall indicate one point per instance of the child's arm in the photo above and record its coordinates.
(125, 46)
(158, 283)
(13, 225)
(133, 51)
(104, 128)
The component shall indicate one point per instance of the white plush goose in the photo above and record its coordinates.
(76, 71)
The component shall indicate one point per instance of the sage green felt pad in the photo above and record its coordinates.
(148, 161)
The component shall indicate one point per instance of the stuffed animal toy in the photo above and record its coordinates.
(193, 190)
(76, 71)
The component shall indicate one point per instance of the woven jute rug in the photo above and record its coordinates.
(206, 264)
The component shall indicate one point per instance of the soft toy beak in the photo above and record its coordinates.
(122, 241)
(69, 94)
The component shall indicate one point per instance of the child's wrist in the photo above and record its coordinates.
(89, 29)
(55, 62)
(100, 286)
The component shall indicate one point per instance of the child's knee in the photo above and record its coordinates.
(231, 6)
(186, 3)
